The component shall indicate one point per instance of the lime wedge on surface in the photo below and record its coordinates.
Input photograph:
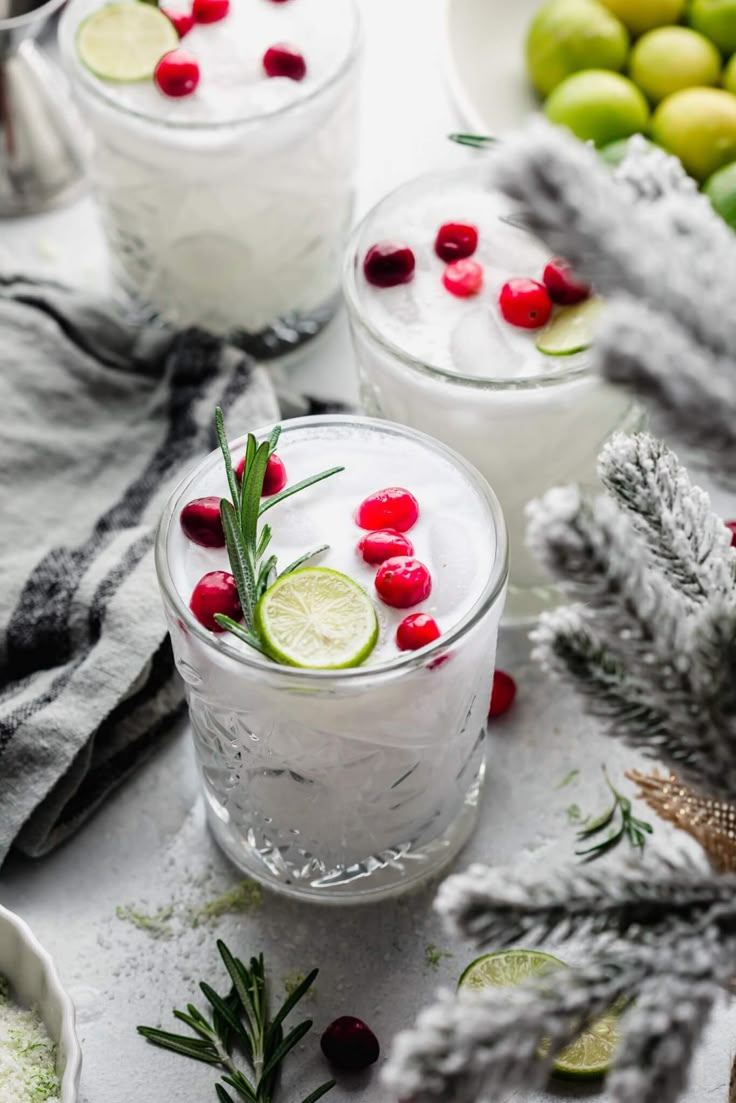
(125, 41)
(587, 1058)
(571, 330)
(317, 618)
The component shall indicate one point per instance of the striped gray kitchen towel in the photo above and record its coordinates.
(98, 420)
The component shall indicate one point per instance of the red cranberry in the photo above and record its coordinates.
(403, 581)
(563, 285)
(215, 592)
(202, 522)
(502, 696)
(183, 21)
(349, 1044)
(415, 631)
(388, 263)
(177, 73)
(731, 525)
(382, 544)
(274, 479)
(392, 508)
(525, 303)
(455, 241)
(210, 11)
(283, 60)
(463, 278)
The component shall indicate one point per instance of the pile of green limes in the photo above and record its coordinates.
(679, 57)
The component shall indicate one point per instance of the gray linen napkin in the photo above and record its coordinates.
(98, 420)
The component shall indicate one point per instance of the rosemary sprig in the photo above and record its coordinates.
(475, 141)
(240, 1022)
(246, 543)
(621, 823)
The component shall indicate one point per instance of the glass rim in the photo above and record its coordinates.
(399, 665)
(42, 11)
(414, 363)
(74, 71)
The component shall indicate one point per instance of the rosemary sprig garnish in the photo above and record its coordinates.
(246, 543)
(622, 825)
(475, 141)
(240, 1021)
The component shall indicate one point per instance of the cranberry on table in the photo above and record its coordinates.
(731, 526)
(283, 60)
(215, 592)
(525, 303)
(502, 695)
(183, 21)
(202, 523)
(210, 11)
(388, 264)
(350, 1044)
(382, 544)
(275, 478)
(390, 508)
(463, 278)
(403, 581)
(455, 241)
(415, 631)
(563, 285)
(177, 73)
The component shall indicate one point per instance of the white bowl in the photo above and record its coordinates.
(484, 62)
(35, 982)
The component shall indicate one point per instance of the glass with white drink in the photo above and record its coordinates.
(359, 776)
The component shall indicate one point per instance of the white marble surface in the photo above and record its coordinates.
(148, 847)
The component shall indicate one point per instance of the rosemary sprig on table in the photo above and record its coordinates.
(475, 141)
(622, 825)
(247, 544)
(240, 1021)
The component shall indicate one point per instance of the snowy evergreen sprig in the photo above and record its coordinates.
(663, 260)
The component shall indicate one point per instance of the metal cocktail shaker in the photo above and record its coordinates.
(42, 140)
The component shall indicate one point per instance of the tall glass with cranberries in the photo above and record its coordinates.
(333, 594)
(466, 328)
(225, 136)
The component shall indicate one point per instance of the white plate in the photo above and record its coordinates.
(484, 44)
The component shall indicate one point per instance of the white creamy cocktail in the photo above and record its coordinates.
(347, 783)
(226, 200)
(453, 366)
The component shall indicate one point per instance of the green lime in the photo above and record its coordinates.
(598, 106)
(568, 35)
(571, 330)
(729, 76)
(698, 125)
(671, 58)
(643, 15)
(716, 19)
(317, 618)
(721, 190)
(589, 1057)
(125, 41)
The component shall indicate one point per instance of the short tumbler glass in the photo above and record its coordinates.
(239, 227)
(524, 434)
(348, 785)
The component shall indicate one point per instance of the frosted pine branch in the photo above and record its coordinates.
(497, 907)
(662, 1030)
(685, 538)
(649, 174)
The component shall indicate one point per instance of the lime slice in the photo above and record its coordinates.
(125, 41)
(571, 330)
(317, 618)
(589, 1057)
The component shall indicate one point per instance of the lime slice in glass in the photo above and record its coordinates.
(587, 1058)
(571, 330)
(124, 42)
(317, 618)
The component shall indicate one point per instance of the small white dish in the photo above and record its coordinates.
(484, 62)
(35, 982)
